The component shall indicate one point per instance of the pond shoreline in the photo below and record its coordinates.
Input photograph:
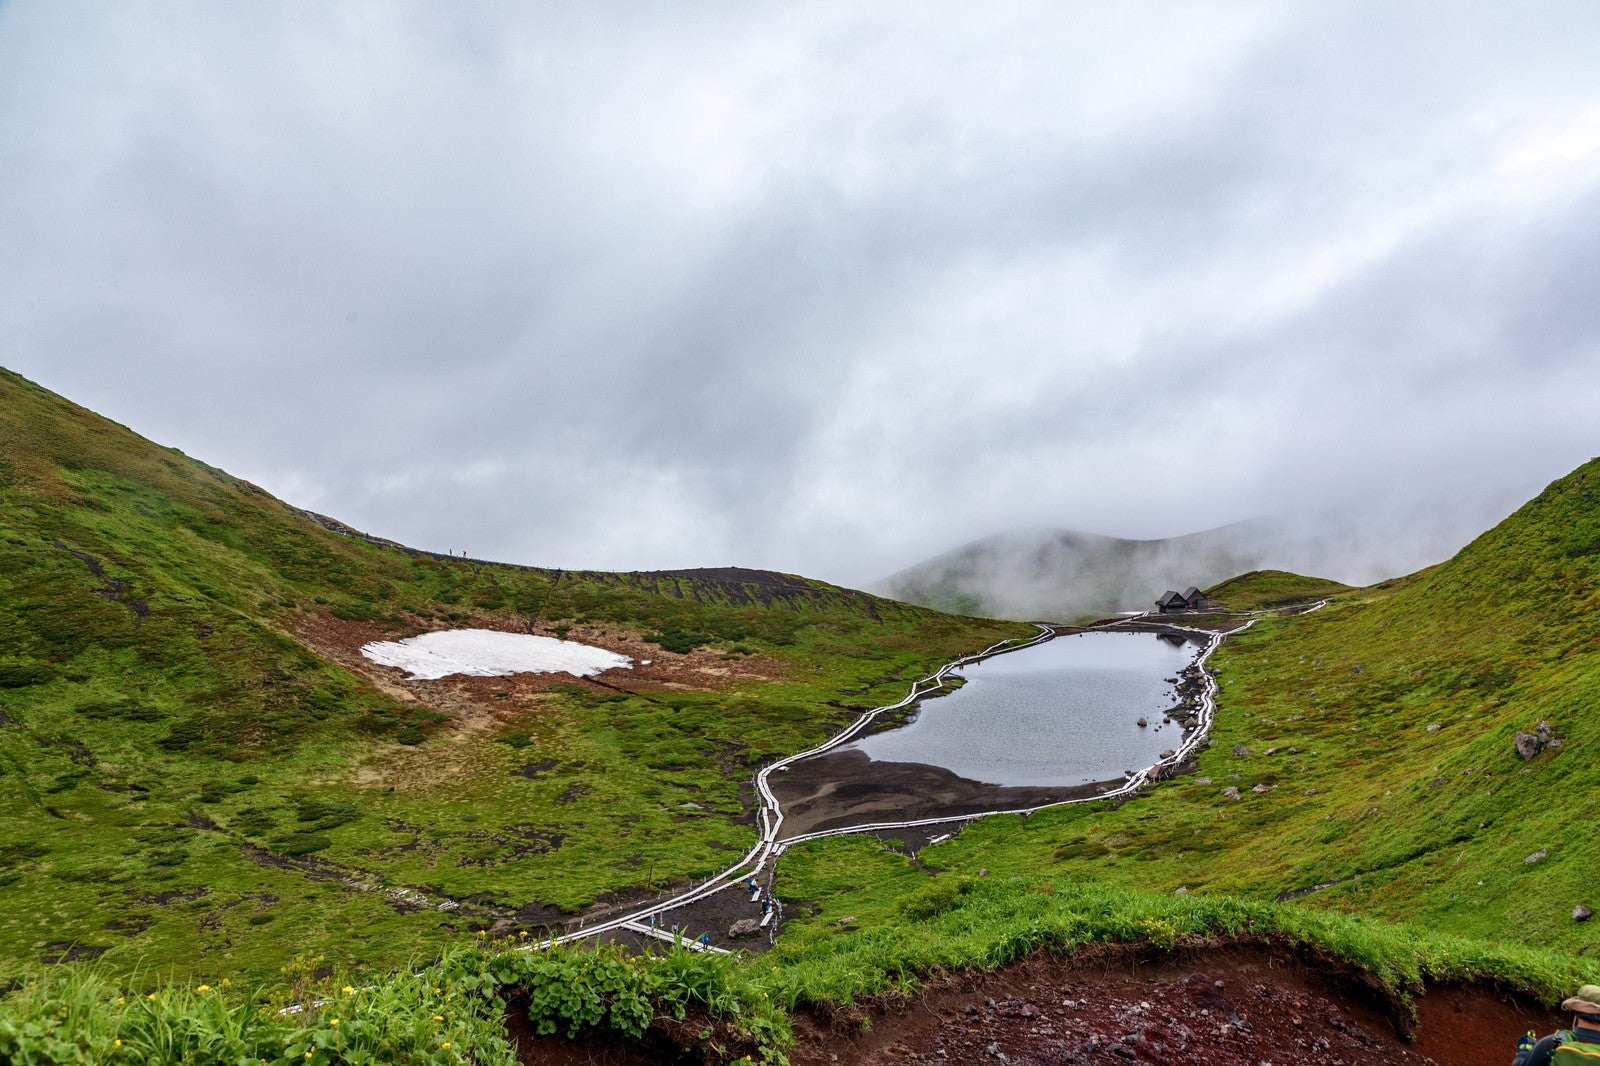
(847, 788)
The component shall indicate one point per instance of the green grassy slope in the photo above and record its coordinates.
(186, 787)
(1266, 589)
(1381, 729)
(185, 784)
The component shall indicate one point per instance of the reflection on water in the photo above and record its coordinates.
(1062, 713)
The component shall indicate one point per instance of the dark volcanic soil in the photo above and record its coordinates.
(1214, 1004)
(1234, 1005)
(845, 788)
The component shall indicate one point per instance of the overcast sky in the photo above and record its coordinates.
(820, 287)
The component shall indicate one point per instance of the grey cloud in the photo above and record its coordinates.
(819, 288)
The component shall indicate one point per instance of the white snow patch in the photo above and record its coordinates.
(488, 653)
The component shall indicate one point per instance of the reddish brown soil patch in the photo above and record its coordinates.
(654, 670)
(1238, 1005)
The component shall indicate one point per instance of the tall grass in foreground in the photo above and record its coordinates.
(450, 1013)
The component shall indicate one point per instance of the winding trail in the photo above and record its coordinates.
(757, 861)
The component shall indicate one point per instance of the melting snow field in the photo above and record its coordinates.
(488, 653)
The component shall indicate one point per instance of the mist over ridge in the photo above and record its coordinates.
(1054, 573)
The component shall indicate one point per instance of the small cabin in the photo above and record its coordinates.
(1190, 599)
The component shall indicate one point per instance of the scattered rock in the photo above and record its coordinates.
(1580, 913)
(1434, 727)
(1527, 745)
(1231, 792)
(1181, 890)
(848, 920)
(1143, 722)
(1167, 753)
(1261, 790)
(1202, 780)
(744, 927)
(1542, 853)
(1240, 749)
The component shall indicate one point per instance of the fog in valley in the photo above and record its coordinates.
(1061, 575)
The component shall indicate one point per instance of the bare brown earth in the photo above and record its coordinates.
(477, 701)
(845, 788)
(1220, 1004)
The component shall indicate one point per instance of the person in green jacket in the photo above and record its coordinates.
(1578, 1046)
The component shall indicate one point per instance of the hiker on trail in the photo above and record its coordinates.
(705, 940)
(1567, 1047)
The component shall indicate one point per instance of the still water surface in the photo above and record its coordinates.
(1063, 713)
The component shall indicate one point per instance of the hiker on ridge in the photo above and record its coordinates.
(1567, 1047)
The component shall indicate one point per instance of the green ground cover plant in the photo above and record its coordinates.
(448, 1013)
(183, 778)
(1380, 732)
(191, 794)
(1267, 589)
(452, 1010)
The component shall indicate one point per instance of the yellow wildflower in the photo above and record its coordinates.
(117, 1042)
(349, 991)
(334, 1022)
(445, 1044)
(121, 1000)
(203, 988)
(438, 1017)
(151, 996)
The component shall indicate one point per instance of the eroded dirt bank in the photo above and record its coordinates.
(1228, 1004)
(1221, 1005)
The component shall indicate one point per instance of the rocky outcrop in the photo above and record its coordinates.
(1529, 745)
